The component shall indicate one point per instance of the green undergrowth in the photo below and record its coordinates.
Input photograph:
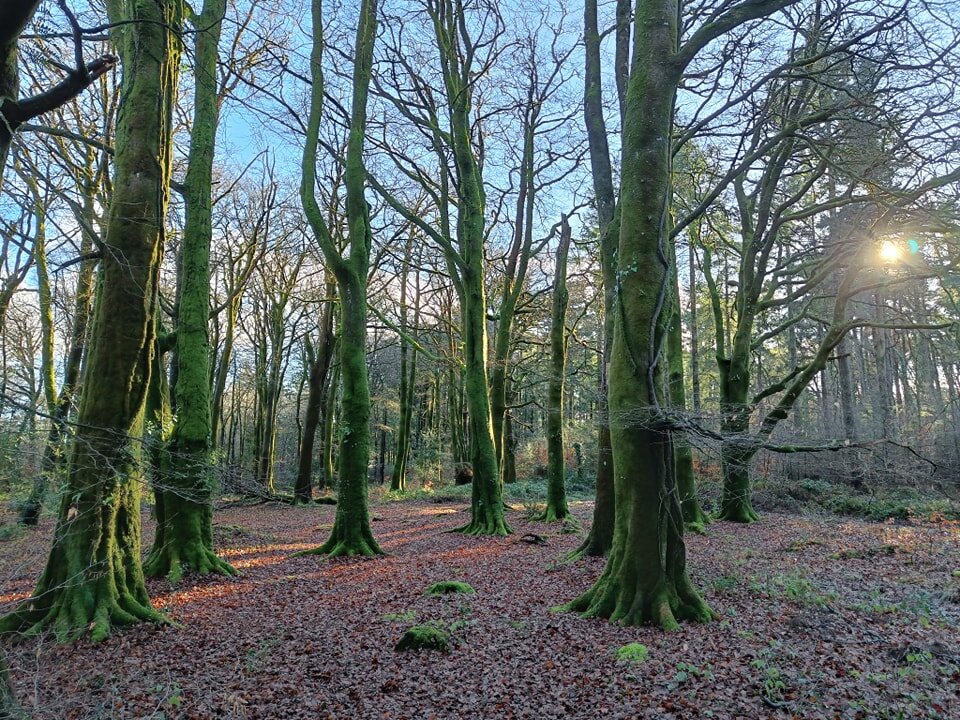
(633, 653)
(446, 587)
(424, 637)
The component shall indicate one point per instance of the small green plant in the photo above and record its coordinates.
(258, 658)
(685, 671)
(725, 582)
(11, 532)
(447, 587)
(408, 616)
(424, 637)
(633, 653)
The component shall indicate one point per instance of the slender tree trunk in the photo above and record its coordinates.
(322, 356)
(93, 579)
(408, 375)
(351, 534)
(600, 537)
(184, 537)
(693, 516)
(556, 489)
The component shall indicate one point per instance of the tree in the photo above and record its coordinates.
(645, 579)
(93, 579)
(351, 534)
(556, 491)
(184, 537)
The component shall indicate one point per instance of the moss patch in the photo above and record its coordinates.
(446, 587)
(424, 637)
(633, 653)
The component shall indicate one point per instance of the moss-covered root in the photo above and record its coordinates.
(552, 515)
(665, 605)
(739, 511)
(174, 560)
(357, 543)
(81, 609)
(485, 526)
(447, 587)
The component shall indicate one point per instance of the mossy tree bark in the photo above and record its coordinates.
(600, 537)
(351, 533)
(456, 53)
(93, 579)
(321, 356)
(556, 490)
(645, 579)
(694, 517)
(184, 537)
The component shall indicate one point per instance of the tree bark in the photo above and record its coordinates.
(184, 537)
(556, 491)
(93, 579)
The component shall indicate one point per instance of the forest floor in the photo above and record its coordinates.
(818, 617)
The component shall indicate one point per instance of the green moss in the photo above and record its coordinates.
(633, 653)
(446, 587)
(424, 637)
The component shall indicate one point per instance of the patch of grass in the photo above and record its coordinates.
(447, 587)
(408, 616)
(793, 586)
(726, 582)
(11, 532)
(633, 653)
(424, 637)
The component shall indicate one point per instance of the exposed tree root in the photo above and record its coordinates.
(739, 512)
(175, 560)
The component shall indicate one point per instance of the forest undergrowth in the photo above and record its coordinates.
(818, 617)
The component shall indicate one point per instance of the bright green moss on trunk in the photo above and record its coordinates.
(93, 578)
(184, 538)
(351, 533)
(645, 579)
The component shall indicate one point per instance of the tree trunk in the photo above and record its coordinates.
(351, 534)
(322, 356)
(93, 579)
(184, 538)
(693, 516)
(556, 491)
(598, 541)
(408, 375)
(645, 579)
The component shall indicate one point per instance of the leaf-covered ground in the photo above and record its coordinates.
(818, 618)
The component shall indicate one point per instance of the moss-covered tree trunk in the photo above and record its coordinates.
(645, 579)
(486, 506)
(330, 406)
(93, 579)
(556, 490)
(184, 537)
(693, 516)
(600, 537)
(351, 533)
(735, 455)
(321, 356)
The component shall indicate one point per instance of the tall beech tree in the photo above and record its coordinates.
(600, 537)
(556, 491)
(93, 579)
(462, 61)
(351, 534)
(184, 510)
(645, 579)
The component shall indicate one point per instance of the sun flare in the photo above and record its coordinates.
(889, 251)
